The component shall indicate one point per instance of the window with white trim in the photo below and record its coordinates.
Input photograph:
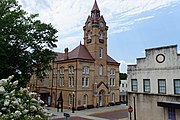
(85, 100)
(134, 84)
(54, 82)
(61, 70)
(55, 71)
(162, 86)
(87, 82)
(146, 83)
(112, 71)
(85, 70)
(71, 81)
(61, 81)
(71, 69)
(177, 86)
(70, 99)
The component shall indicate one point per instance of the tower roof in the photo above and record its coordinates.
(95, 7)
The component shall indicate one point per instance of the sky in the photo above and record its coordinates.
(134, 25)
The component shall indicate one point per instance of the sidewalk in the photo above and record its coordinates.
(86, 113)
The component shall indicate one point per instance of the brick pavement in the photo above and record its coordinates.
(90, 114)
(112, 115)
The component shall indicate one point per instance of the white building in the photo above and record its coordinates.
(154, 85)
(123, 91)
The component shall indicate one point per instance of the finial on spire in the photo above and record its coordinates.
(95, 7)
(95, 12)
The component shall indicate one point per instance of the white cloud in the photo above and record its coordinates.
(178, 51)
(123, 66)
(69, 16)
(69, 42)
(143, 18)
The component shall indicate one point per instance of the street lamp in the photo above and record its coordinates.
(134, 106)
(73, 103)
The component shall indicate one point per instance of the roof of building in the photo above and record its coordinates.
(111, 60)
(163, 47)
(81, 52)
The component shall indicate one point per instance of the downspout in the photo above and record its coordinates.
(52, 81)
(56, 83)
(76, 84)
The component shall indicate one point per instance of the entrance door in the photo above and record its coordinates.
(100, 98)
(171, 114)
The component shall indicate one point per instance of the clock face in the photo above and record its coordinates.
(160, 58)
(89, 25)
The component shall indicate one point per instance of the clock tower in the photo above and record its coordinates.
(95, 40)
(95, 34)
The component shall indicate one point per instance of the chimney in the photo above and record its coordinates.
(66, 53)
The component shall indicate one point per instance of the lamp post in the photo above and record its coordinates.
(73, 103)
(134, 106)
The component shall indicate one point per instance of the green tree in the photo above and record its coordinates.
(25, 43)
(123, 76)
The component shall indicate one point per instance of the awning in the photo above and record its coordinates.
(169, 104)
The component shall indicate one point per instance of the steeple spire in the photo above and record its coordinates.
(95, 7)
(95, 12)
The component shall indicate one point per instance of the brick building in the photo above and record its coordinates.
(86, 71)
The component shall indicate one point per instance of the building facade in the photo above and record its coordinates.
(154, 85)
(123, 91)
(86, 75)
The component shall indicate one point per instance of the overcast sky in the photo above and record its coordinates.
(134, 25)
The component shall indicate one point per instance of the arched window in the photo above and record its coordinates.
(101, 35)
(85, 70)
(100, 70)
(100, 52)
(85, 99)
(61, 70)
(70, 99)
(89, 35)
(71, 69)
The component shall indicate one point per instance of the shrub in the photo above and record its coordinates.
(20, 104)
